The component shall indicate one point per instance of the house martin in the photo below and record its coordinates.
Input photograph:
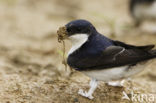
(142, 10)
(101, 58)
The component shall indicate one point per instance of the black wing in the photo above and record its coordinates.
(120, 54)
(128, 46)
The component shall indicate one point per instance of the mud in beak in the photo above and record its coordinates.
(62, 33)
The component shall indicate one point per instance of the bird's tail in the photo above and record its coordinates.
(153, 53)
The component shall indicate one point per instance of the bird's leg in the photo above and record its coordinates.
(116, 83)
(93, 85)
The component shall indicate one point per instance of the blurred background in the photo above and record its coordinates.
(31, 68)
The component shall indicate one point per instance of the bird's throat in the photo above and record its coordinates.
(77, 41)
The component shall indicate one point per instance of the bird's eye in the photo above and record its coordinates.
(68, 30)
(78, 29)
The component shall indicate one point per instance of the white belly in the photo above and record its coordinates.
(145, 11)
(113, 74)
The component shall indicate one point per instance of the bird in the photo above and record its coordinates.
(101, 58)
(142, 10)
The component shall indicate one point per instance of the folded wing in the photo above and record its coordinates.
(120, 54)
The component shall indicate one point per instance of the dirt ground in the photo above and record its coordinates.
(31, 70)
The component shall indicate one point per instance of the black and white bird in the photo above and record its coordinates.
(142, 10)
(101, 58)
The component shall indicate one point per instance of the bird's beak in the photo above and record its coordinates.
(62, 33)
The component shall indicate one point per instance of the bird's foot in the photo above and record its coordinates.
(116, 83)
(85, 94)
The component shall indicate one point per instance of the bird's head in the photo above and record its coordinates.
(78, 30)
(79, 27)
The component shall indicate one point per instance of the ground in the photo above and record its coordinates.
(31, 69)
